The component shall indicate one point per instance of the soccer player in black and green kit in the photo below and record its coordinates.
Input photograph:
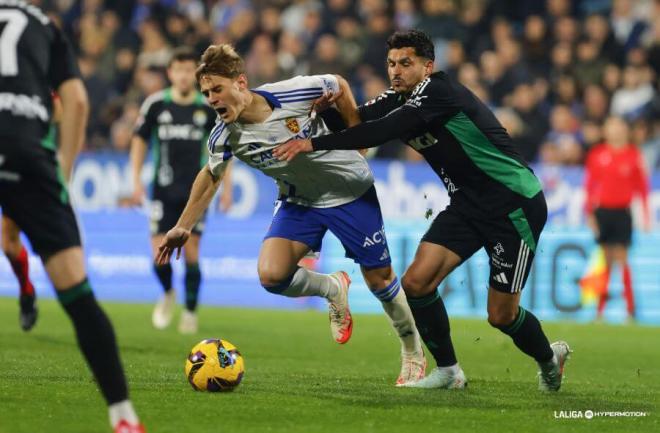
(496, 203)
(175, 122)
(36, 60)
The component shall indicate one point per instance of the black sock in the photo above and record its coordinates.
(527, 335)
(96, 340)
(164, 273)
(193, 280)
(433, 326)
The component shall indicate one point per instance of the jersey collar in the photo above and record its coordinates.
(272, 99)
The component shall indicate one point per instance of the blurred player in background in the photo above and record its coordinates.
(614, 174)
(320, 192)
(174, 122)
(36, 59)
(18, 258)
(496, 203)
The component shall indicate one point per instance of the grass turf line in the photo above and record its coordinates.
(298, 380)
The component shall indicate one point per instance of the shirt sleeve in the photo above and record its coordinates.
(63, 63)
(220, 152)
(399, 123)
(146, 121)
(380, 105)
(433, 99)
(327, 82)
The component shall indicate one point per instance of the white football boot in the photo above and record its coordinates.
(164, 310)
(550, 376)
(442, 378)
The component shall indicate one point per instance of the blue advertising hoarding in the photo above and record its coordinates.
(120, 267)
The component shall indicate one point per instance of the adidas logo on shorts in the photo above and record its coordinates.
(501, 278)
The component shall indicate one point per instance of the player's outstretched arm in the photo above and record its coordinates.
(201, 194)
(137, 156)
(398, 124)
(346, 104)
(73, 123)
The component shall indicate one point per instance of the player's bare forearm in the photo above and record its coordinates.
(201, 194)
(137, 156)
(346, 104)
(73, 123)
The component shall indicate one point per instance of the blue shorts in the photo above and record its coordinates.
(358, 225)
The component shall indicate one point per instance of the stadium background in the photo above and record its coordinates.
(551, 70)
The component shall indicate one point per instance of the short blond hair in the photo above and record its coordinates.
(220, 60)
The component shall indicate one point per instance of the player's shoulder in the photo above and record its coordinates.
(154, 100)
(301, 88)
(437, 81)
(387, 95)
(218, 130)
(31, 10)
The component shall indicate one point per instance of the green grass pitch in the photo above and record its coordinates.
(298, 380)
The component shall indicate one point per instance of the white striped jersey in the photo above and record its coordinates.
(317, 179)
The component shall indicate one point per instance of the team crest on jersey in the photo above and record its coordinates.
(165, 117)
(199, 117)
(292, 124)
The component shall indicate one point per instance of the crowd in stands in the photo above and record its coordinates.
(552, 70)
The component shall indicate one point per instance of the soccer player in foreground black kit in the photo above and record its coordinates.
(35, 61)
(176, 122)
(496, 203)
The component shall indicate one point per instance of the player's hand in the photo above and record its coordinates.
(289, 150)
(174, 239)
(138, 196)
(324, 102)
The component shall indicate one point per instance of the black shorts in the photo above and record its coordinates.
(34, 195)
(614, 226)
(510, 240)
(166, 212)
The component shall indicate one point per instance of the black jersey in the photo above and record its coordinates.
(35, 59)
(177, 135)
(458, 136)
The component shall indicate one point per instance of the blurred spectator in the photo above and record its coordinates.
(438, 20)
(626, 26)
(533, 122)
(595, 103)
(261, 63)
(325, 59)
(379, 28)
(630, 100)
(495, 77)
(405, 14)
(597, 30)
(536, 44)
(351, 41)
(562, 144)
(589, 67)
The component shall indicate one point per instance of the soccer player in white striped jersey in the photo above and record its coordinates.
(329, 190)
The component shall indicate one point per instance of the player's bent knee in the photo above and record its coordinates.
(499, 318)
(274, 281)
(414, 286)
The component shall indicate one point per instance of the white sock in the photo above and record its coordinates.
(122, 410)
(310, 283)
(397, 309)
